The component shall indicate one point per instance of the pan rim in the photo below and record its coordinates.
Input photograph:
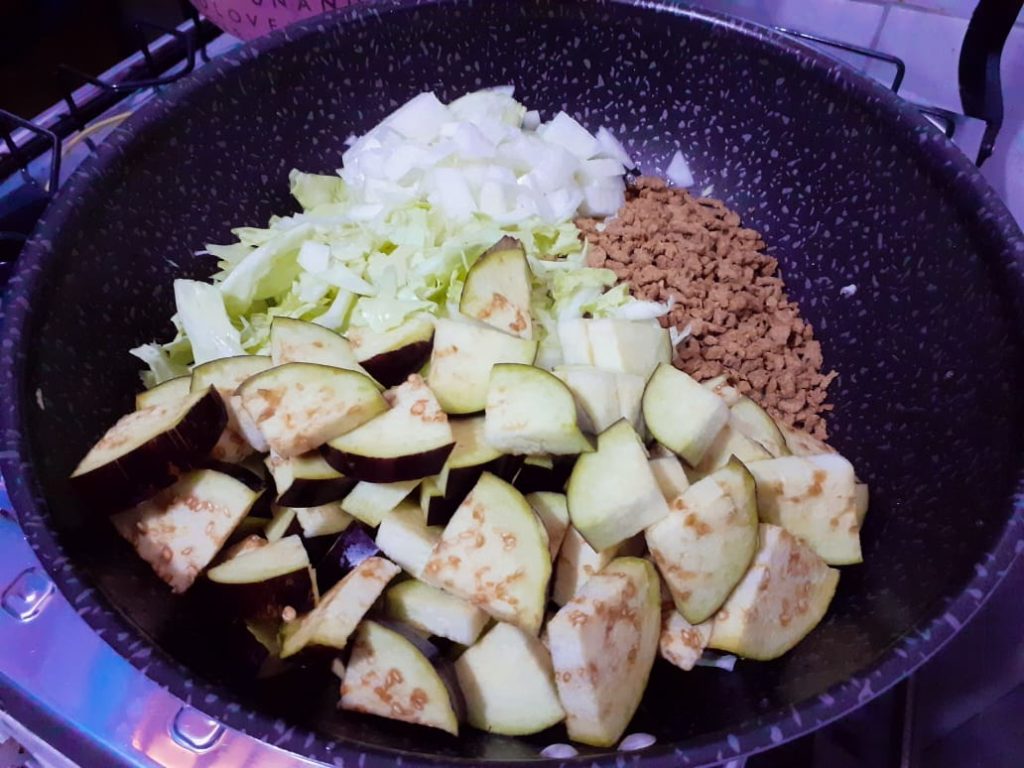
(993, 224)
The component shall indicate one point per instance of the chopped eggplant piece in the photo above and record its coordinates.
(239, 545)
(410, 441)
(682, 643)
(725, 387)
(508, 682)
(307, 480)
(753, 421)
(262, 582)
(543, 473)
(553, 511)
(782, 597)
(705, 544)
(471, 457)
(389, 676)
(296, 341)
(147, 451)
(497, 289)
(803, 444)
(435, 612)
(227, 375)
(180, 530)
(462, 358)
(242, 473)
(603, 397)
(860, 501)
(629, 346)
(349, 549)
(369, 502)
(244, 424)
(169, 392)
(340, 610)
(249, 528)
(612, 493)
(730, 442)
(494, 553)
(577, 561)
(299, 406)
(813, 497)
(471, 446)
(283, 522)
(405, 537)
(322, 520)
(601, 661)
(669, 475)
(681, 414)
(391, 356)
(436, 508)
(530, 411)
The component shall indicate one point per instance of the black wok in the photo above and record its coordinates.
(848, 185)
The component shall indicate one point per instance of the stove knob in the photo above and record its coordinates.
(195, 731)
(26, 597)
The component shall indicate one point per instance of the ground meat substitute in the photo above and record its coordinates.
(665, 243)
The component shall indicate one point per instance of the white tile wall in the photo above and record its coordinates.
(961, 8)
(929, 44)
(852, 22)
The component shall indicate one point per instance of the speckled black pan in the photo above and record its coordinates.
(848, 185)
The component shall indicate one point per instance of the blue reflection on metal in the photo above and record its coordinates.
(68, 674)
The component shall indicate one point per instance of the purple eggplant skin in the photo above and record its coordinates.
(532, 478)
(318, 547)
(263, 507)
(506, 468)
(241, 473)
(393, 367)
(265, 600)
(349, 549)
(157, 463)
(388, 470)
(460, 483)
(438, 660)
(315, 493)
(441, 508)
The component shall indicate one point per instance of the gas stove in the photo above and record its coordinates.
(66, 698)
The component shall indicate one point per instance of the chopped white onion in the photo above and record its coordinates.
(603, 198)
(612, 147)
(564, 131)
(419, 118)
(602, 167)
(678, 171)
(483, 154)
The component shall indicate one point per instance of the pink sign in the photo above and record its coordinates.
(249, 19)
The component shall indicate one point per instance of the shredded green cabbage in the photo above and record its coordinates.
(374, 254)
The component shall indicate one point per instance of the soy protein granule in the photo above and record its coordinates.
(667, 243)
